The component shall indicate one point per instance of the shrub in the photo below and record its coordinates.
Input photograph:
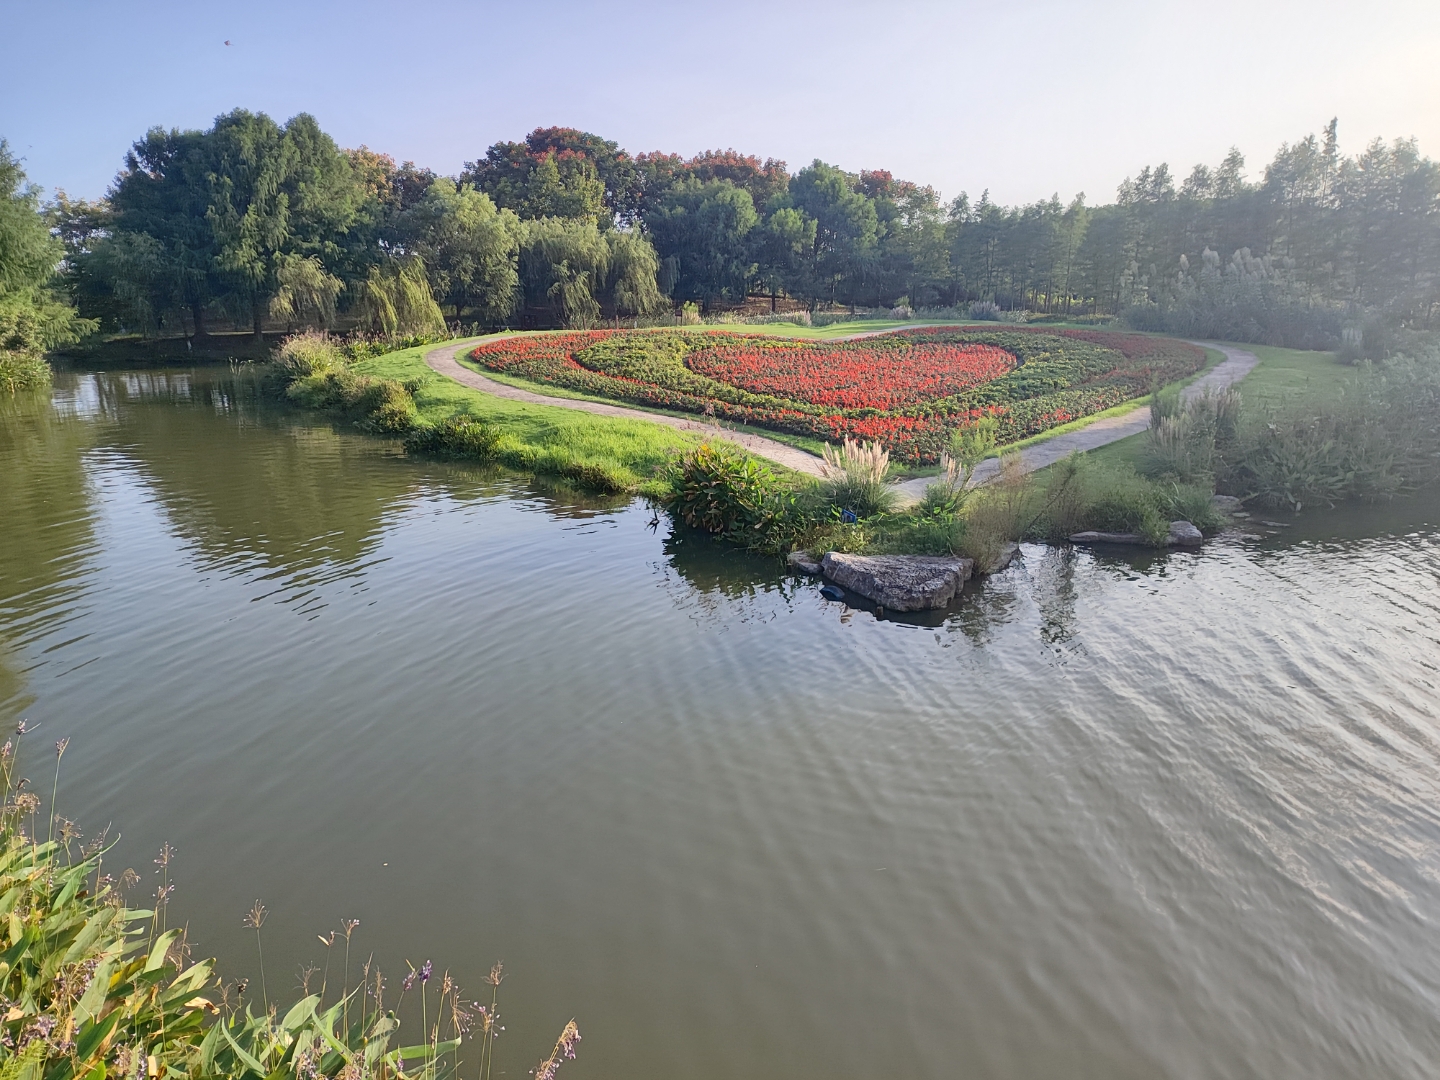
(386, 408)
(1000, 514)
(855, 478)
(311, 352)
(1377, 436)
(383, 406)
(732, 494)
(455, 437)
(23, 371)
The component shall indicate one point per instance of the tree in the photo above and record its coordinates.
(557, 172)
(634, 266)
(395, 299)
(33, 317)
(705, 227)
(274, 192)
(783, 243)
(470, 249)
(162, 195)
(845, 225)
(563, 264)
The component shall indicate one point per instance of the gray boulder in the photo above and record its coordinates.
(900, 582)
(801, 561)
(1227, 504)
(1184, 534)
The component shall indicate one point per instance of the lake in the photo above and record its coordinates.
(1109, 816)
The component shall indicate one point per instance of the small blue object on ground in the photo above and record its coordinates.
(832, 592)
(849, 517)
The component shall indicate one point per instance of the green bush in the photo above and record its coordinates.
(732, 494)
(23, 371)
(383, 406)
(312, 352)
(386, 408)
(1081, 495)
(1379, 435)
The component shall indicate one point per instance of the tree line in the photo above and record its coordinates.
(256, 222)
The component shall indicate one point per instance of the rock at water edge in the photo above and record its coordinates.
(1227, 504)
(801, 561)
(1105, 538)
(900, 582)
(1184, 534)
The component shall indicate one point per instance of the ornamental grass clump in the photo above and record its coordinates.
(855, 477)
(311, 352)
(93, 987)
(969, 446)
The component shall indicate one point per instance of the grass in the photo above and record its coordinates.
(600, 451)
(1287, 372)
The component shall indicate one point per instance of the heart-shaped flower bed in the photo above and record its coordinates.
(908, 390)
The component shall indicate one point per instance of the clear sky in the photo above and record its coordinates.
(1025, 98)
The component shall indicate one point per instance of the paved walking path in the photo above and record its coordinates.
(1236, 365)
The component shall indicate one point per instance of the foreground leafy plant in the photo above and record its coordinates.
(91, 988)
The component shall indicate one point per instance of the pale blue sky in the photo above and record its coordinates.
(1024, 98)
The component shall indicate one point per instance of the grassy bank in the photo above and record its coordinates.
(397, 394)
(1302, 429)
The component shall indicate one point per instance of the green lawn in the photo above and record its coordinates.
(542, 438)
(1284, 372)
(801, 442)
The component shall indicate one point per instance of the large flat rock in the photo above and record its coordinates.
(900, 582)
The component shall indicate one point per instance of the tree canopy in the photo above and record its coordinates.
(254, 220)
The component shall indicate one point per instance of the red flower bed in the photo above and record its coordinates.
(875, 377)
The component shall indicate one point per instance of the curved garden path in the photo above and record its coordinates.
(1236, 365)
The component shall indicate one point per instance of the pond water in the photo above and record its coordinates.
(1169, 816)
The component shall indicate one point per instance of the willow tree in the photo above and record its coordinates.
(634, 266)
(395, 299)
